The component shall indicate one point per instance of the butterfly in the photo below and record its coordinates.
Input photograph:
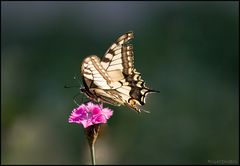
(113, 78)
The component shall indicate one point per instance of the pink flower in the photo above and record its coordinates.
(90, 114)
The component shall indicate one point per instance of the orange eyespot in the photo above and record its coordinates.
(132, 102)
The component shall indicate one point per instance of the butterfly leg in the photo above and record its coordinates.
(74, 99)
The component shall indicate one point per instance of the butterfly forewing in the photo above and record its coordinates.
(120, 55)
(92, 70)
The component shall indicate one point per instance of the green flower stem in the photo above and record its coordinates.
(92, 154)
(92, 134)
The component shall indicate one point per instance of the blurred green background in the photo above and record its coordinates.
(187, 50)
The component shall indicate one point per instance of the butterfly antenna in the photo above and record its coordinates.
(77, 77)
(74, 86)
(71, 86)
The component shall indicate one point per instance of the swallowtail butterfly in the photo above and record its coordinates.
(113, 79)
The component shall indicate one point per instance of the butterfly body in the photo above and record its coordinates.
(113, 79)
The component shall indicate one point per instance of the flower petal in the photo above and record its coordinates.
(73, 119)
(86, 123)
(96, 110)
(99, 119)
(107, 112)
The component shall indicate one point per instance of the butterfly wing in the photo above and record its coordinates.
(97, 83)
(94, 73)
(119, 57)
